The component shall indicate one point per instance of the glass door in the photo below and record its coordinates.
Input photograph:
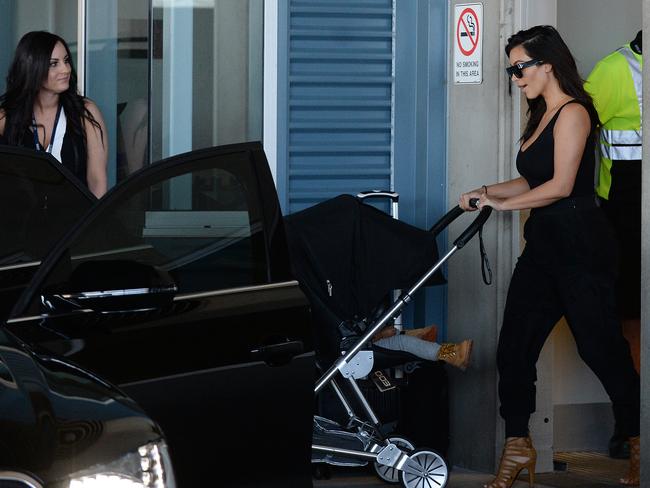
(117, 79)
(17, 18)
(168, 76)
(171, 77)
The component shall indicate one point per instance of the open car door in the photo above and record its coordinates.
(177, 288)
(39, 202)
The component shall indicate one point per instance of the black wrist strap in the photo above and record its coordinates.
(485, 264)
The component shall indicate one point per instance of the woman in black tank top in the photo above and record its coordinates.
(42, 110)
(566, 268)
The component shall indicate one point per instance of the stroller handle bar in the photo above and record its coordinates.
(475, 226)
(456, 212)
(406, 297)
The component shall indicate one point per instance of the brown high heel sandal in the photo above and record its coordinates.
(633, 478)
(456, 354)
(518, 454)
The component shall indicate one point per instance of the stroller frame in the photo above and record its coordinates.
(419, 467)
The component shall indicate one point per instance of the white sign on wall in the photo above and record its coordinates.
(468, 41)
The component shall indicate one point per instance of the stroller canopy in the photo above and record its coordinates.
(348, 256)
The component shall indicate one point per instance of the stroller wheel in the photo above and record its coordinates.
(433, 471)
(386, 473)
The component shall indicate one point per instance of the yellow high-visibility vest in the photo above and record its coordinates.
(616, 89)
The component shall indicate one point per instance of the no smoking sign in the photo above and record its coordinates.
(468, 40)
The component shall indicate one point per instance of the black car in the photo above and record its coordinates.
(176, 288)
(63, 427)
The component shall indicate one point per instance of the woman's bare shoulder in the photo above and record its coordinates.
(92, 107)
(95, 112)
(573, 113)
(574, 108)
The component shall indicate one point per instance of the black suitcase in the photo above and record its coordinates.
(424, 408)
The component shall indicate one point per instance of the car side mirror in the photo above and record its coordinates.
(112, 286)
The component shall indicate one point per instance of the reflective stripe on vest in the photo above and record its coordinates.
(611, 137)
(621, 152)
(620, 144)
(637, 77)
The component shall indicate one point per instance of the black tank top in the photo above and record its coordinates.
(535, 164)
(73, 152)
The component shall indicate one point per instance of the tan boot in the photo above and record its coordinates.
(456, 354)
(518, 454)
(633, 477)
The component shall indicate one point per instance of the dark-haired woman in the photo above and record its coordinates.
(566, 268)
(42, 109)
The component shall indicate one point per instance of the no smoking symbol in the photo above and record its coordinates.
(467, 32)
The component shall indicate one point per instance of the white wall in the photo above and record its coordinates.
(479, 152)
(645, 266)
(607, 25)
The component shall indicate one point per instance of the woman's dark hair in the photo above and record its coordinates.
(544, 43)
(28, 72)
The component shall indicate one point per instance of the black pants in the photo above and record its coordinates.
(568, 268)
(623, 209)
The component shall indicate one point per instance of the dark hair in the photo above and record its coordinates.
(543, 42)
(27, 73)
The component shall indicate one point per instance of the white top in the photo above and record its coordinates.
(57, 144)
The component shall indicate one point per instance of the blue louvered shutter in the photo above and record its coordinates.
(340, 90)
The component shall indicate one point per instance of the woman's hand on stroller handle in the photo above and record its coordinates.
(470, 201)
(479, 199)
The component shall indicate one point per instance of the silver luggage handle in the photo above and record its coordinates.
(394, 196)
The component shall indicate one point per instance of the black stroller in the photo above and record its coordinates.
(349, 257)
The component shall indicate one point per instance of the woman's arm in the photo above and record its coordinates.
(505, 189)
(570, 134)
(97, 143)
(3, 120)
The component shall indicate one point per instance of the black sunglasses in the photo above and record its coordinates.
(517, 68)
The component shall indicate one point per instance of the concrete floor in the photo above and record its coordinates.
(459, 478)
(583, 470)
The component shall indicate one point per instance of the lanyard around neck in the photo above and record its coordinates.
(37, 143)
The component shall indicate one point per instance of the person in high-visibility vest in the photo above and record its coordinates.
(616, 89)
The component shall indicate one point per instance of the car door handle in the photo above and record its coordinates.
(279, 353)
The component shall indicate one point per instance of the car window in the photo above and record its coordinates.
(200, 222)
(40, 202)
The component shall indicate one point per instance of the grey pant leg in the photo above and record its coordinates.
(414, 345)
